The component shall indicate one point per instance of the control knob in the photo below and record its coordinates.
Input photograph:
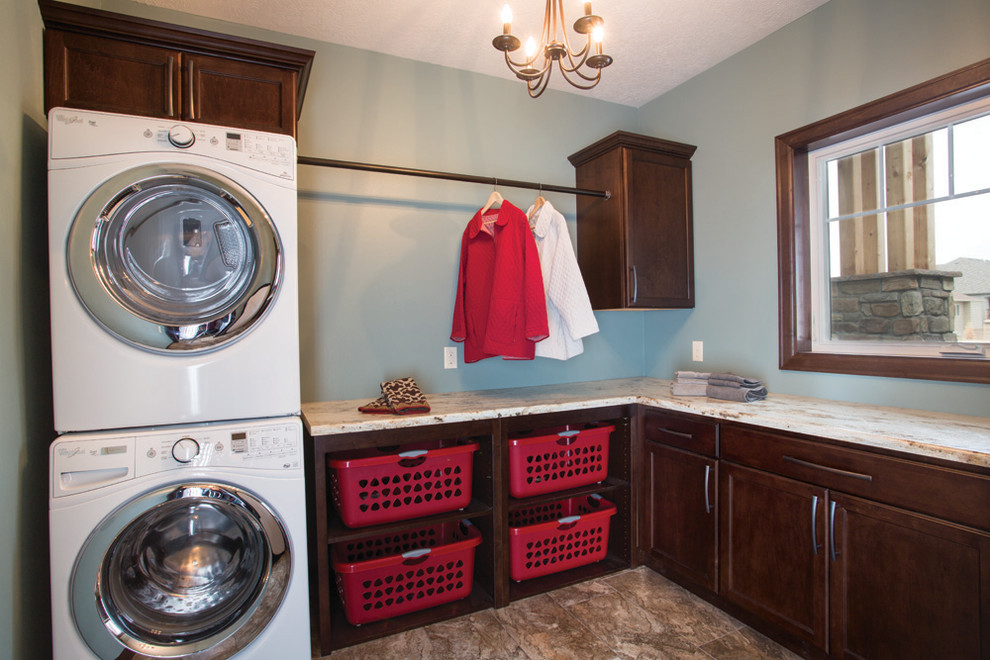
(185, 449)
(181, 136)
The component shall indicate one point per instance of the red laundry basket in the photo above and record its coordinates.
(381, 485)
(555, 459)
(395, 574)
(555, 537)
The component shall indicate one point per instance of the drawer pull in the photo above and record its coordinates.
(708, 474)
(679, 434)
(832, 470)
(814, 523)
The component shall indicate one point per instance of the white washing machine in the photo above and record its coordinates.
(174, 285)
(182, 542)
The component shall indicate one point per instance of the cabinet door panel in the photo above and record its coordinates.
(906, 586)
(92, 73)
(232, 93)
(769, 560)
(681, 510)
(659, 243)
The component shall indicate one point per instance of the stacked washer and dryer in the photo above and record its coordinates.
(177, 499)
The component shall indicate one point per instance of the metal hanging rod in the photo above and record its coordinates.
(451, 176)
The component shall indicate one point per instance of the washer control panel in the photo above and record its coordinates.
(88, 461)
(258, 446)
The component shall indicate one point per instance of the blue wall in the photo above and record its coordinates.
(845, 53)
(380, 252)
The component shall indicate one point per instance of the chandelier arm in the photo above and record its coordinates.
(539, 87)
(583, 55)
(594, 80)
(579, 72)
(517, 65)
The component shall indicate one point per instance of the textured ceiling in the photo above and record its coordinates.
(656, 44)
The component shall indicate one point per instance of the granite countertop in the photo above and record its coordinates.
(957, 438)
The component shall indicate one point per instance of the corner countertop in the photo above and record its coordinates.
(957, 438)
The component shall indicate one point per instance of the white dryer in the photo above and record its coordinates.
(184, 542)
(173, 259)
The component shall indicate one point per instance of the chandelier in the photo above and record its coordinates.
(576, 67)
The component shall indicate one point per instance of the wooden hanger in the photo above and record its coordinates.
(494, 199)
(537, 205)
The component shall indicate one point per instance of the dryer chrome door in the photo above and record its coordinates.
(174, 258)
(185, 571)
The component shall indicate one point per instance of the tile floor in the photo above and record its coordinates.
(632, 614)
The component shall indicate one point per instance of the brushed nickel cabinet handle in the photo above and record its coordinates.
(814, 523)
(708, 473)
(635, 279)
(825, 468)
(831, 529)
(679, 434)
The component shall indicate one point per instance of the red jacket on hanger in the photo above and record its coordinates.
(500, 307)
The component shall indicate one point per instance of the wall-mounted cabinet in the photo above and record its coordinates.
(98, 60)
(636, 249)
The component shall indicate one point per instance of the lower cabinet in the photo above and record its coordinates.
(773, 556)
(843, 574)
(903, 585)
(679, 498)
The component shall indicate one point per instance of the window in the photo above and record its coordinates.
(884, 235)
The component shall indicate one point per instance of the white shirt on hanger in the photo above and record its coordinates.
(569, 312)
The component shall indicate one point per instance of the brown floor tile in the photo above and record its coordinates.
(410, 645)
(633, 614)
(747, 644)
(545, 631)
(683, 613)
(632, 631)
(480, 635)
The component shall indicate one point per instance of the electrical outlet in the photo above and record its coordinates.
(449, 357)
(698, 351)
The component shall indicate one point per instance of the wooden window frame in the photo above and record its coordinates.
(794, 230)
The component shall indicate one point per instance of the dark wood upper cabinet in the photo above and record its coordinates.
(636, 250)
(98, 60)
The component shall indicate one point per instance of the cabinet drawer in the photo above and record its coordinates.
(950, 494)
(687, 432)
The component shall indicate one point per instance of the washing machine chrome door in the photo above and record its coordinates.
(174, 258)
(187, 571)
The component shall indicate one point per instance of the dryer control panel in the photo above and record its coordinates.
(84, 133)
(84, 462)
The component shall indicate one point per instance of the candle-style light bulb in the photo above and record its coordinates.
(506, 19)
(597, 35)
(530, 48)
